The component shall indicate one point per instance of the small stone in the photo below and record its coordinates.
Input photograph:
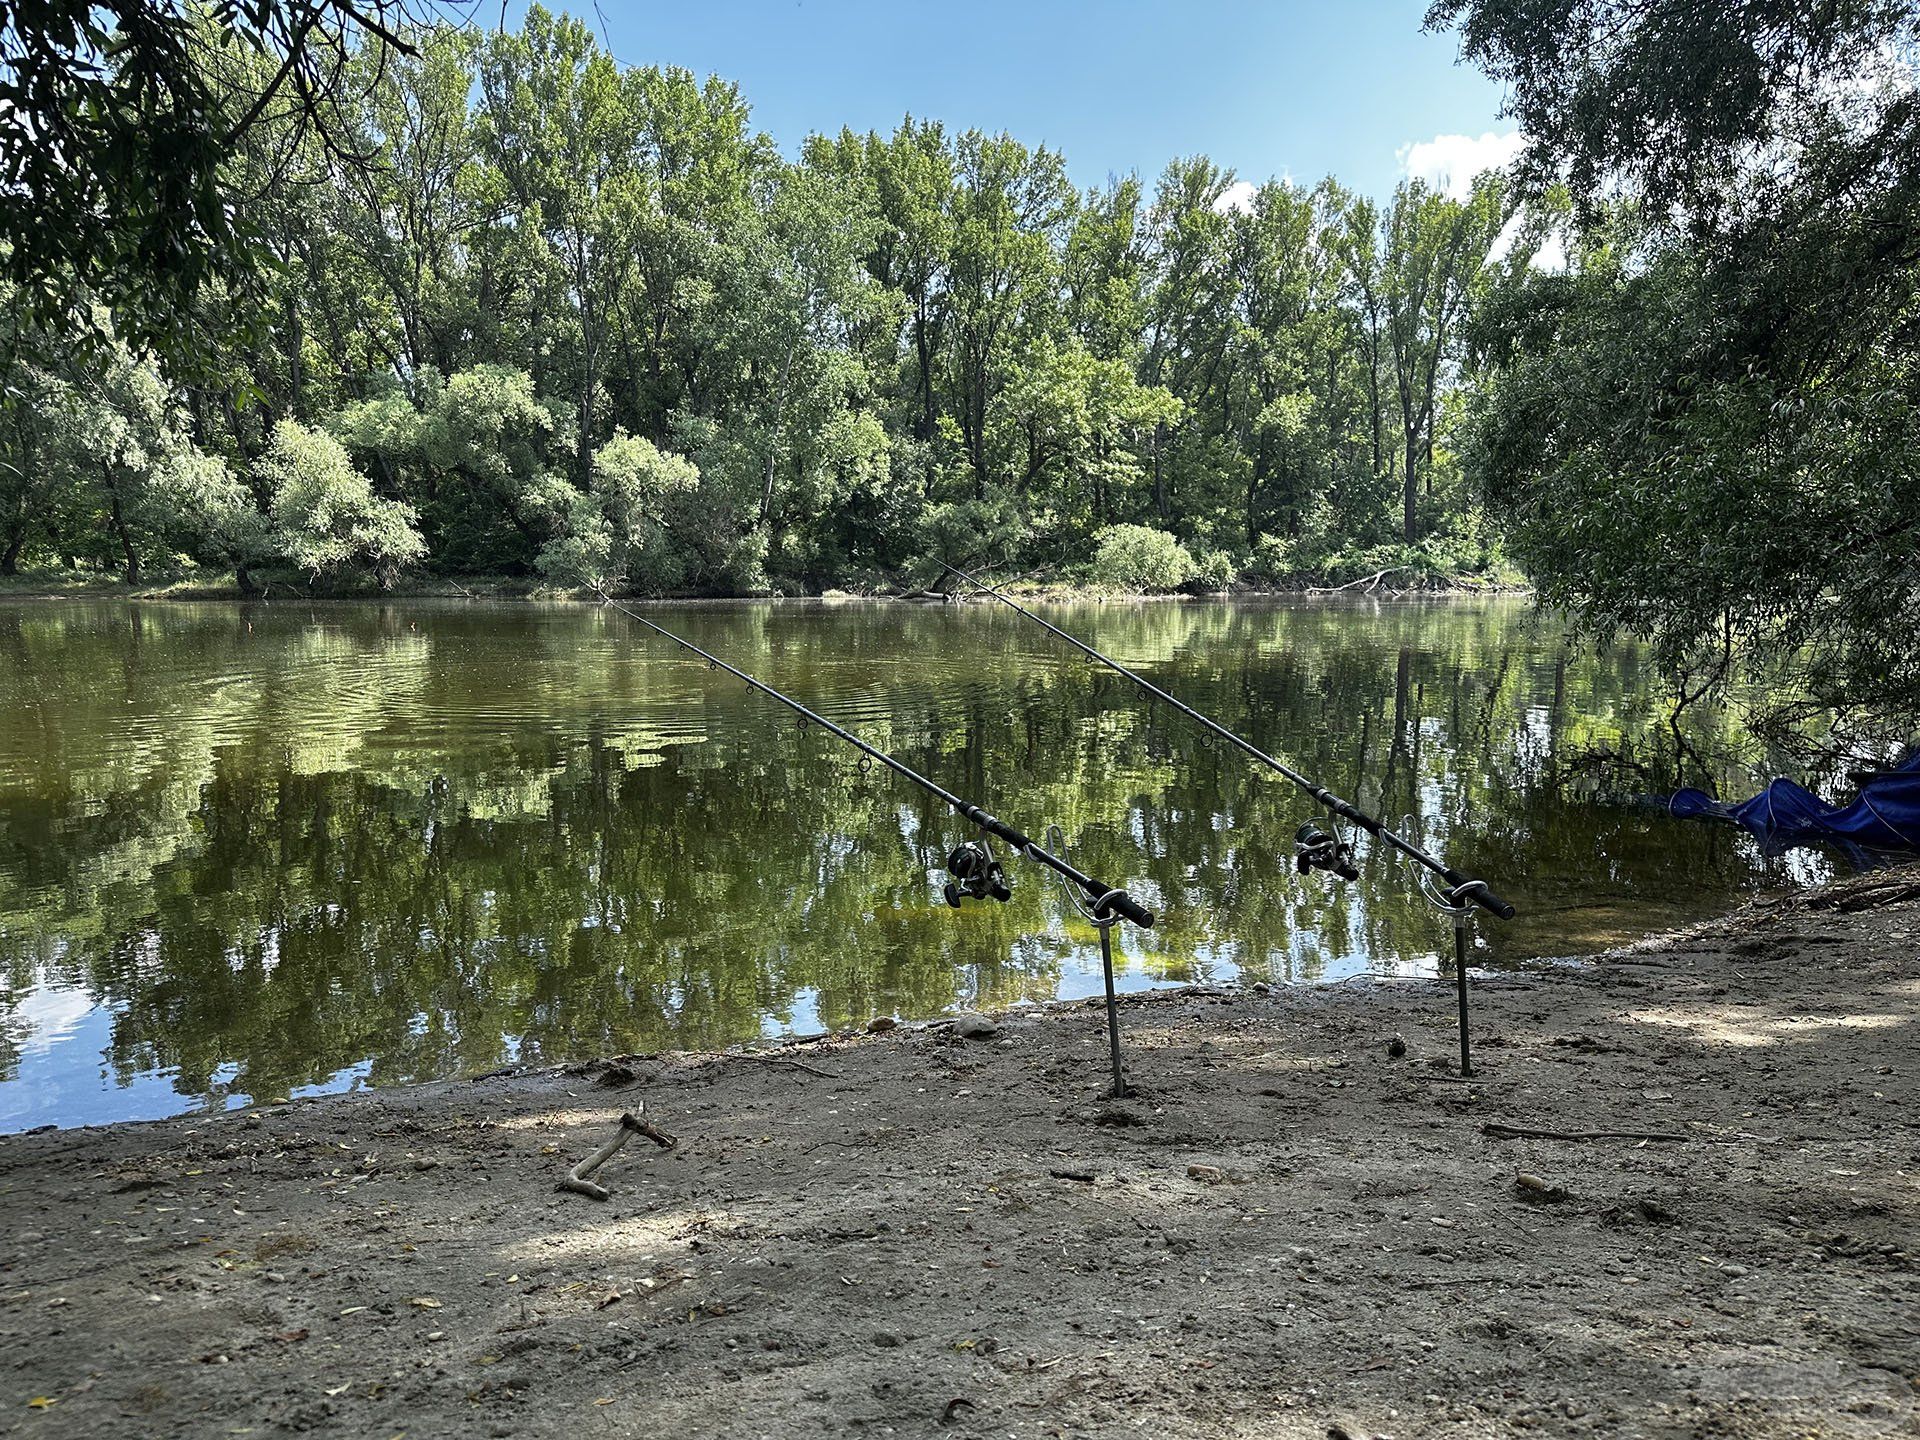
(426, 1163)
(1397, 1047)
(880, 1024)
(1536, 1190)
(1210, 1174)
(886, 1340)
(273, 1277)
(1261, 987)
(436, 1334)
(975, 1027)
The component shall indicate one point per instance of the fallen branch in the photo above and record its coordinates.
(1521, 1132)
(630, 1125)
(1369, 581)
(760, 1057)
(801, 1065)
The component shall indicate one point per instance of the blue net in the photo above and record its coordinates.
(1884, 814)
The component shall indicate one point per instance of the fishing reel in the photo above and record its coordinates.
(1315, 849)
(976, 874)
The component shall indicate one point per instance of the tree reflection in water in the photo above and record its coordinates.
(263, 846)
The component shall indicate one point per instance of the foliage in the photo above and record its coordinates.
(1137, 557)
(325, 515)
(612, 534)
(1215, 571)
(1707, 429)
(116, 125)
(902, 344)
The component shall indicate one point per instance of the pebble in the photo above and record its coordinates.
(880, 1024)
(1212, 1174)
(975, 1027)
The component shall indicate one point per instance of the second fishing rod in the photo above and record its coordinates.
(1462, 889)
(1314, 848)
(976, 873)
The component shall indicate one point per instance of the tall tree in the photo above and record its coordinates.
(1707, 430)
(1432, 252)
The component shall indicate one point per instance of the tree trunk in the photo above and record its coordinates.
(120, 529)
(10, 557)
(923, 348)
(1255, 482)
(1410, 490)
(1159, 474)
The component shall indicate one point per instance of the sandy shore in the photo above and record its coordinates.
(1289, 1232)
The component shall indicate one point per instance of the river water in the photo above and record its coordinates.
(251, 852)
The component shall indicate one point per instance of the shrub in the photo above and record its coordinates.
(325, 514)
(1216, 570)
(1136, 557)
(610, 534)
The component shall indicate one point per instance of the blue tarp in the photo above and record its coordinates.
(1883, 815)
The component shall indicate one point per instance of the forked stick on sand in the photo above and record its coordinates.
(630, 1125)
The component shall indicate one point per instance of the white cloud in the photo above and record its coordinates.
(1237, 196)
(1449, 163)
(1551, 256)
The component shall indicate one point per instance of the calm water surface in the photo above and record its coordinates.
(255, 852)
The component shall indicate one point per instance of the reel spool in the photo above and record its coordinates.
(1315, 849)
(977, 874)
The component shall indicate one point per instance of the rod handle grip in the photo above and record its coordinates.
(1128, 908)
(1478, 892)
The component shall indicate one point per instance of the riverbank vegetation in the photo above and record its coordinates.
(446, 302)
(1706, 429)
(527, 311)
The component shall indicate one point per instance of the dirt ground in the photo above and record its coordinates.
(1289, 1232)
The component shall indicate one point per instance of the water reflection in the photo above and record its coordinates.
(247, 850)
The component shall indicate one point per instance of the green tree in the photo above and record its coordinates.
(117, 122)
(613, 534)
(1433, 251)
(326, 517)
(1706, 431)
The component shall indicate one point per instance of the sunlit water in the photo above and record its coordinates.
(254, 852)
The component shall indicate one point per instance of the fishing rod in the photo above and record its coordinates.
(976, 872)
(1327, 852)
(1314, 849)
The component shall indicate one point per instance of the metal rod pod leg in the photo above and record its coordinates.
(1120, 1090)
(1460, 989)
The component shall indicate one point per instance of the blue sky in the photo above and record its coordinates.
(1268, 89)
